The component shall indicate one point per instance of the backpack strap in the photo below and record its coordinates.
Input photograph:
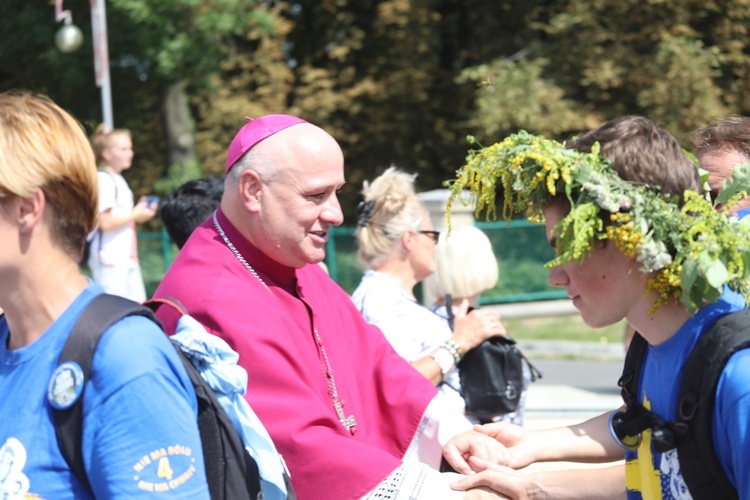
(701, 469)
(169, 311)
(629, 425)
(98, 316)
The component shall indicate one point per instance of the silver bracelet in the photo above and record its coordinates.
(451, 346)
(444, 360)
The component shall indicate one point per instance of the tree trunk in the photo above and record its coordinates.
(180, 140)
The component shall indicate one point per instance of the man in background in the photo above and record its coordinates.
(189, 205)
(720, 146)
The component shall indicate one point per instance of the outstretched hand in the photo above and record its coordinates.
(473, 443)
(503, 481)
(512, 451)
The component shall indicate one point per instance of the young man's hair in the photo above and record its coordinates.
(190, 205)
(643, 152)
(725, 134)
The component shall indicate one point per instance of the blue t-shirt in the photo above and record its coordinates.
(657, 475)
(140, 436)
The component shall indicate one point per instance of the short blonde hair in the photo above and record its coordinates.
(465, 262)
(102, 140)
(393, 208)
(44, 147)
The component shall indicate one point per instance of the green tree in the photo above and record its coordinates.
(381, 76)
(162, 53)
(681, 63)
(395, 81)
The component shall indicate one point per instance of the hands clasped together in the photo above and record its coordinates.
(488, 455)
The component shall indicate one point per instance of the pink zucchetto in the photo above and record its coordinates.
(255, 131)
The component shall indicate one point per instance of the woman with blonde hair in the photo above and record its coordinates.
(139, 401)
(466, 268)
(466, 265)
(397, 243)
(113, 259)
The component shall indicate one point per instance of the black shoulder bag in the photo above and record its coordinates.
(492, 375)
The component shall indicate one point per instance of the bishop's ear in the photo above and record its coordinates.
(249, 189)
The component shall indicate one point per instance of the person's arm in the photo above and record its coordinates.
(588, 441)
(731, 435)
(470, 330)
(142, 212)
(140, 430)
(579, 484)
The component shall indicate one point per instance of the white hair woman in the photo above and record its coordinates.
(466, 265)
(397, 243)
(466, 268)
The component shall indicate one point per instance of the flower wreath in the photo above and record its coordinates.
(693, 251)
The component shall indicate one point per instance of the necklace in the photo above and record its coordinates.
(338, 405)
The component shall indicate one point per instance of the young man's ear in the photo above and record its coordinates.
(249, 187)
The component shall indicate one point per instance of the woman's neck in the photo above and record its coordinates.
(34, 299)
(401, 273)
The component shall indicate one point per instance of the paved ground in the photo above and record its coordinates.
(573, 388)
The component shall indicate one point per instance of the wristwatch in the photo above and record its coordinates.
(444, 359)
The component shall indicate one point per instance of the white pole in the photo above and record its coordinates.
(101, 58)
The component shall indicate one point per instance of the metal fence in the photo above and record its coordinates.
(521, 249)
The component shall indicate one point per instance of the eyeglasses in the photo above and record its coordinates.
(432, 234)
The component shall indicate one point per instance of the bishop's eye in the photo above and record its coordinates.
(317, 196)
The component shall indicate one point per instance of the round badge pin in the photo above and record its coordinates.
(65, 386)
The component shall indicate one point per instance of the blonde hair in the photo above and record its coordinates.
(393, 208)
(44, 147)
(465, 263)
(102, 140)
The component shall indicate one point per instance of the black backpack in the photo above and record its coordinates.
(492, 378)
(230, 470)
(491, 375)
(691, 432)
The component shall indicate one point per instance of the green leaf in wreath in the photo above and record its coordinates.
(716, 273)
(740, 182)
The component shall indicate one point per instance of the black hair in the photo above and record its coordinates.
(190, 205)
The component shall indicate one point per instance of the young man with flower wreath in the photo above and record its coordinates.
(627, 246)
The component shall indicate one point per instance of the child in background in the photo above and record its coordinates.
(113, 259)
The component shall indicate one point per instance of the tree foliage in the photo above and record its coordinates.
(395, 81)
